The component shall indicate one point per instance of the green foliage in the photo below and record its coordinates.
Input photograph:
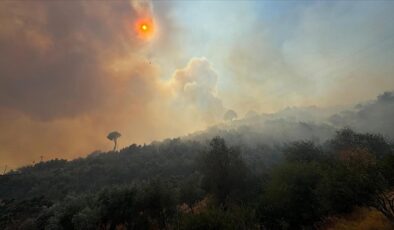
(165, 186)
(168, 161)
(224, 171)
(374, 143)
(156, 204)
(115, 207)
(345, 186)
(387, 169)
(120, 206)
(14, 212)
(190, 192)
(289, 200)
(310, 184)
(303, 151)
(216, 218)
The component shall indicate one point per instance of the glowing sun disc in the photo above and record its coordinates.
(144, 28)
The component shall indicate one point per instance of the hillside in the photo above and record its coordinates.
(306, 123)
(276, 171)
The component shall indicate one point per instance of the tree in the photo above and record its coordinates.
(230, 115)
(375, 144)
(117, 207)
(303, 151)
(190, 192)
(156, 205)
(289, 200)
(224, 171)
(353, 180)
(113, 136)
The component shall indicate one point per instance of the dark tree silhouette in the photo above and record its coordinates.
(113, 136)
(230, 115)
(223, 169)
(187, 184)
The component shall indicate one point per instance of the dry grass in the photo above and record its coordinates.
(360, 219)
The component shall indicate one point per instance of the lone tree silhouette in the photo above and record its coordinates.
(230, 115)
(113, 136)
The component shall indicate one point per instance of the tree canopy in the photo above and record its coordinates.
(113, 136)
(185, 184)
(230, 115)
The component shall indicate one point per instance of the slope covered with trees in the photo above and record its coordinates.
(184, 184)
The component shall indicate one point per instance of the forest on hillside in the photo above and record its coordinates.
(186, 184)
(196, 115)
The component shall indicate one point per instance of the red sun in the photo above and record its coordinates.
(144, 28)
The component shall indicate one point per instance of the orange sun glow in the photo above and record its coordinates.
(144, 28)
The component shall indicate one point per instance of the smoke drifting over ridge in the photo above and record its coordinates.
(374, 116)
(306, 123)
(70, 72)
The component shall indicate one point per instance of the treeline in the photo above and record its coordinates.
(190, 185)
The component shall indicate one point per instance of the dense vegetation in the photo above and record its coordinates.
(185, 184)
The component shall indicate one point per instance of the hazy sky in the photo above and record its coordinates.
(72, 71)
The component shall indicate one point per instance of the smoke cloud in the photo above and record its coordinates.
(72, 71)
(194, 88)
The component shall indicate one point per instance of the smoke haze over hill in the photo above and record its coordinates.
(67, 79)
